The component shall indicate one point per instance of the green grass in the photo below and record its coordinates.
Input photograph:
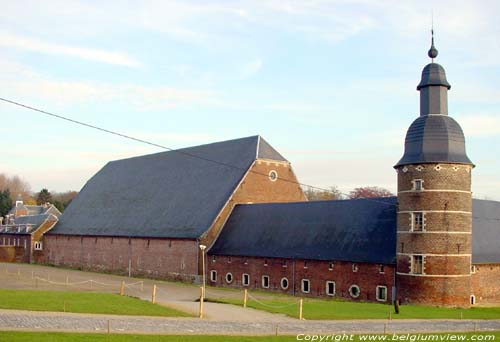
(79, 337)
(82, 302)
(336, 309)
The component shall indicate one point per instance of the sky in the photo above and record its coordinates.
(330, 84)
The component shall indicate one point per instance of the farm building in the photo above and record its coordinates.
(432, 244)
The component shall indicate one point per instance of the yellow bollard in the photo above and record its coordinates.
(122, 288)
(301, 303)
(245, 298)
(202, 295)
(153, 295)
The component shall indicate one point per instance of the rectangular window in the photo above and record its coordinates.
(214, 259)
(213, 276)
(418, 185)
(381, 293)
(330, 266)
(381, 269)
(330, 288)
(245, 280)
(418, 222)
(417, 264)
(265, 282)
(306, 285)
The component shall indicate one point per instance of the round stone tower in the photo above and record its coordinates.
(434, 202)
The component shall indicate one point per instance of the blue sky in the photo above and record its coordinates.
(330, 84)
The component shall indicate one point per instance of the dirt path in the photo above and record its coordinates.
(177, 295)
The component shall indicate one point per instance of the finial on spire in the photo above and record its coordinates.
(433, 52)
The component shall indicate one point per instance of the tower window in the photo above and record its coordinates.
(417, 264)
(418, 222)
(418, 185)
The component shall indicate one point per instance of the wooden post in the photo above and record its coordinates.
(142, 286)
(64, 306)
(32, 274)
(301, 303)
(67, 280)
(245, 298)
(91, 284)
(201, 302)
(153, 295)
(19, 273)
(109, 326)
(122, 288)
(276, 331)
(36, 282)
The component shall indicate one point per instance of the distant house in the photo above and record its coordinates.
(22, 229)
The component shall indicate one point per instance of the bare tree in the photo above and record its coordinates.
(16, 186)
(369, 192)
(314, 194)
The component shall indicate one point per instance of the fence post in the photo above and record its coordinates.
(122, 288)
(91, 284)
(153, 295)
(67, 280)
(36, 282)
(109, 326)
(142, 285)
(32, 274)
(245, 298)
(201, 302)
(301, 303)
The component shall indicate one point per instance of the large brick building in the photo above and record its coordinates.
(148, 215)
(432, 244)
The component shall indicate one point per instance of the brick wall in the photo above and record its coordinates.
(18, 242)
(486, 284)
(367, 277)
(174, 259)
(444, 243)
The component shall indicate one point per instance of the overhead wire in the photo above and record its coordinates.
(61, 117)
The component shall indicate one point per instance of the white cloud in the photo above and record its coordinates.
(31, 44)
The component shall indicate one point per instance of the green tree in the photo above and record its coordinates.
(5, 202)
(43, 197)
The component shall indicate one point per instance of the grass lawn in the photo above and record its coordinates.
(77, 337)
(336, 309)
(82, 302)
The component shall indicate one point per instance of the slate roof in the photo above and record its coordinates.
(36, 209)
(33, 221)
(358, 230)
(168, 194)
(434, 139)
(362, 230)
(485, 232)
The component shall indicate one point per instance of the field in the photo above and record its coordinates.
(316, 309)
(77, 337)
(82, 302)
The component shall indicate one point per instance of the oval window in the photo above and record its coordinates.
(354, 291)
(229, 278)
(284, 283)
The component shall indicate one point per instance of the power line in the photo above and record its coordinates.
(61, 117)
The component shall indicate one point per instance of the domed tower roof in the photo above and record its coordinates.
(434, 137)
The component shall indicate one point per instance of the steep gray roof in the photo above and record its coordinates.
(169, 194)
(33, 221)
(36, 209)
(361, 230)
(485, 231)
(434, 139)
